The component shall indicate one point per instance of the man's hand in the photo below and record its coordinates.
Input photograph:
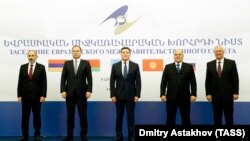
(163, 98)
(64, 94)
(209, 98)
(19, 99)
(42, 99)
(192, 98)
(88, 95)
(113, 99)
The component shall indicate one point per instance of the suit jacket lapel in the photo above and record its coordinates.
(129, 68)
(119, 65)
(26, 67)
(79, 66)
(71, 63)
(215, 68)
(182, 67)
(224, 66)
(35, 70)
(120, 68)
(174, 68)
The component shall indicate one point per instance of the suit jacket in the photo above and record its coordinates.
(81, 82)
(123, 88)
(183, 82)
(34, 88)
(225, 86)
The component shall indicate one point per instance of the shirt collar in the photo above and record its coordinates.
(222, 60)
(34, 64)
(127, 62)
(178, 63)
(76, 60)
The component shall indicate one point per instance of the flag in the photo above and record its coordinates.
(192, 62)
(152, 65)
(95, 65)
(56, 65)
(113, 61)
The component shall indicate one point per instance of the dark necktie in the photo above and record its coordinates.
(31, 72)
(125, 70)
(219, 69)
(178, 67)
(75, 66)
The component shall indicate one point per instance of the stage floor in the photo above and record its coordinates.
(60, 138)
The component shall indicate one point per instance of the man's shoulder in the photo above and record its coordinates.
(211, 62)
(133, 63)
(39, 64)
(187, 64)
(68, 61)
(169, 64)
(84, 61)
(117, 63)
(26, 64)
(229, 60)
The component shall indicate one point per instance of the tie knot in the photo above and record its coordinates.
(178, 64)
(219, 62)
(31, 65)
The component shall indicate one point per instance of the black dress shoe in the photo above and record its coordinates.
(37, 138)
(23, 139)
(85, 138)
(118, 138)
(68, 138)
(131, 138)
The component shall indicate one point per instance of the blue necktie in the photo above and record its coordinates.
(125, 70)
(178, 67)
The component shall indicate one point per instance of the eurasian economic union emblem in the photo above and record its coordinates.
(121, 23)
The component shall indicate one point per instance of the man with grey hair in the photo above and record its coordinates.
(222, 86)
(31, 92)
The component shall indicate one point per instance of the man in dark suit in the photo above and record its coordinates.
(76, 88)
(125, 89)
(179, 79)
(222, 86)
(31, 92)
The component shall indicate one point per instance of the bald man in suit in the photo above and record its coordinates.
(179, 79)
